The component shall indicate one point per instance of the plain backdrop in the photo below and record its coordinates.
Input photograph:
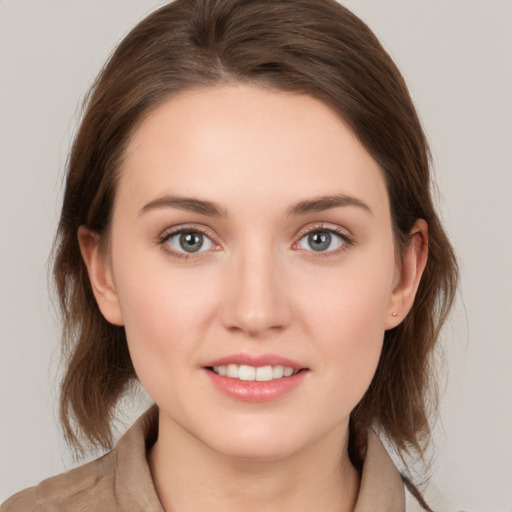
(456, 56)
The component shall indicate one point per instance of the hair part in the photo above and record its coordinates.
(314, 47)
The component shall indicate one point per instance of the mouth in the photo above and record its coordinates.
(256, 377)
(247, 372)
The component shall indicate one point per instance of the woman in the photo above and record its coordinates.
(244, 231)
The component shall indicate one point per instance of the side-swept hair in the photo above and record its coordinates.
(315, 47)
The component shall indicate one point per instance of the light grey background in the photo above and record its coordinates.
(456, 56)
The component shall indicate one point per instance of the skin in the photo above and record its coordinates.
(258, 287)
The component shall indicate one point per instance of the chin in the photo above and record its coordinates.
(264, 442)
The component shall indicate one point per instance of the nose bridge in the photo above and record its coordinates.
(256, 296)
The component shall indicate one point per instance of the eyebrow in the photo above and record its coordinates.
(209, 208)
(191, 204)
(322, 203)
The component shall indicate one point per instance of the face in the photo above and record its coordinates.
(251, 238)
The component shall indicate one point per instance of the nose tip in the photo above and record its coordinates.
(254, 322)
(256, 299)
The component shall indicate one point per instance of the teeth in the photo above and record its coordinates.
(264, 373)
(278, 372)
(231, 371)
(246, 372)
(261, 373)
(287, 371)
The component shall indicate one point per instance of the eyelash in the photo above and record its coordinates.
(347, 240)
(167, 235)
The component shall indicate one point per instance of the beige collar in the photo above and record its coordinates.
(381, 488)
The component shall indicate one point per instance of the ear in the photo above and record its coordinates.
(408, 274)
(99, 268)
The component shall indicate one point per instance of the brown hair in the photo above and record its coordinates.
(316, 47)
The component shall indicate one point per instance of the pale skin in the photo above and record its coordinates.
(262, 281)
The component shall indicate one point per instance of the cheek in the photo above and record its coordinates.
(346, 315)
(164, 314)
(352, 303)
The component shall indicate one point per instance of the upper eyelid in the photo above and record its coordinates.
(324, 226)
(175, 230)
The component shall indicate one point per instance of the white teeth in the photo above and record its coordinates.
(232, 371)
(264, 373)
(261, 373)
(246, 372)
(278, 372)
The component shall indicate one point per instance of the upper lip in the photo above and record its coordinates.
(256, 361)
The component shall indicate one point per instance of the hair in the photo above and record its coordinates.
(313, 47)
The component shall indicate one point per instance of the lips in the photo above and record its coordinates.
(255, 378)
(256, 361)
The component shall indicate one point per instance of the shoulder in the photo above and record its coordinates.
(120, 480)
(88, 487)
(25, 501)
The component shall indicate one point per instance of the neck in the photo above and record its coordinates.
(191, 476)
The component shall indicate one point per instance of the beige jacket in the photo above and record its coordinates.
(120, 481)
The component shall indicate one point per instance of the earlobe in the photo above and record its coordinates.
(413, 262)
(100, 275)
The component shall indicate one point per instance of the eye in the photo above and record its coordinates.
(322, 240)
(189, 241)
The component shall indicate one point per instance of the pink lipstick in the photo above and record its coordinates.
(255, 378)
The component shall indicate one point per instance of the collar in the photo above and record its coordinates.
(381, 484)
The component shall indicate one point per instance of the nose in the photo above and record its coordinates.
(256, 299)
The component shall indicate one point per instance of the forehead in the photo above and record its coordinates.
(243, 141)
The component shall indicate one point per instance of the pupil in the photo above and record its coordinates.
(191, 242)
(320, 241)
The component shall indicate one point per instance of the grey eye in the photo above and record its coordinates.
(321, 241)
(189, 241)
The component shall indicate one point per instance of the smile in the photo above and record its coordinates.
(252, 373)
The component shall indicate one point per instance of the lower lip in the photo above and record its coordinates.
(253, 390)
